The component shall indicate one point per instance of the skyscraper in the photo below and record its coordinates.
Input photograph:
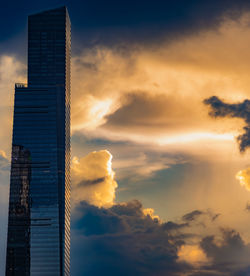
(38, 240)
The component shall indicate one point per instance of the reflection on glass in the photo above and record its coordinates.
(18, 250)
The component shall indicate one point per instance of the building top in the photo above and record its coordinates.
(51, 11)
(48, 47)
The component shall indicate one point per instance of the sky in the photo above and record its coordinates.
(160, 134)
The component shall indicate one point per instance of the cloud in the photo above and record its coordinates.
(192, 216)
(150, 212)
(132, 161)
(170, 225)
(159, 83)
(146, 95)
(93, 179)
(239, 110)
(126, 240)
(228, 254)
(123, 99)
(156, 93)
(145, 105)
(244, 178)
(109, 23)
(192, 254)
(123, 240)
(133, 239)
(222, 253)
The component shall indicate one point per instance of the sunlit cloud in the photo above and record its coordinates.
(244, 178)
(192, 254)
(95, 111)
(152, 97)
(194, 242)
(151, 213)
(93, 179)
(195, 137)
(156, 97)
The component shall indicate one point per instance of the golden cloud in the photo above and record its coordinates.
(151, 213)
(244, 177)
(192, 254)
(94, 182)
(154, 95)
(93, 179)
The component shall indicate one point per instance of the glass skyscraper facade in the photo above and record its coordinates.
(38, 240)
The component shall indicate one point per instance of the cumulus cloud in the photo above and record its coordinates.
(123, 240)
(93, 179)
(228, 254)
(127, 240)
(151, 213)
(133, 239)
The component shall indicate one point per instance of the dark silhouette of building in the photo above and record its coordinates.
(38, 240)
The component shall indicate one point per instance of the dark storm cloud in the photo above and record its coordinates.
(230, 255)
(98, 221)
(121, 240)
(111, 22)
(239, 110)
(243, 272)
(130, 21)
